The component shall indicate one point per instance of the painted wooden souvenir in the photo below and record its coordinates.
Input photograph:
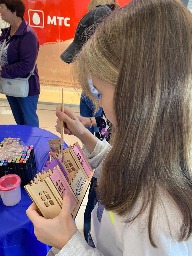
(79, 153)
(80, 185)
(55, 162)
(61, 185)
(70, 164)
(43, 197)
(55, 148)
(48, 186)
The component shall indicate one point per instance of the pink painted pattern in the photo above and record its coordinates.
(79, 153)
(61, 184)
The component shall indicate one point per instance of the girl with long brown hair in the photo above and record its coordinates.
(140, 61)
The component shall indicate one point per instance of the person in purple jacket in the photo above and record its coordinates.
(18, 60)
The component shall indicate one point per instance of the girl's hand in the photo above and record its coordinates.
(58, 127)
(84, 120)
(72, 125)
(55, 232)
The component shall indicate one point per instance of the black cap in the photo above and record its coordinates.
(85, 29)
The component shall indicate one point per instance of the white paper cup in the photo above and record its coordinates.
(10, 189)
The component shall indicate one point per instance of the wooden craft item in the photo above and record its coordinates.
(81, 158)
(48, 186)
(80, 185)
(54, 191)
(61, 184)
(55, 147)
(54, 163)
(70, 164)
(62, 128)
(44, 199)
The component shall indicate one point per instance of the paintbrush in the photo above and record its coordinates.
(62, 128)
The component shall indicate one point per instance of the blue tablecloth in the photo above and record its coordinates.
(16, 231)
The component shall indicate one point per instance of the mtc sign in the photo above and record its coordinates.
(56, 20)
(37, 19)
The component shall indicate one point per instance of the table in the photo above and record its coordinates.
(16, 231)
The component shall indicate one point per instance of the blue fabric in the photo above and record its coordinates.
(24, 110)
(16, 231)
(87, 109)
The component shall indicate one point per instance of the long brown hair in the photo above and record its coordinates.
(145, 51)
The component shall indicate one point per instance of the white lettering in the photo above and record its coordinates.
(51, 20)
(60, 20)
(56, 20)
(66, 22)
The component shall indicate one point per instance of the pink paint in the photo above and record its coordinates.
(61, 184)
(79, 153)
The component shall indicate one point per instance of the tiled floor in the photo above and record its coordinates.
(50, 97)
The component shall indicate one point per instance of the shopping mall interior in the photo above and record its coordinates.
(55, 22)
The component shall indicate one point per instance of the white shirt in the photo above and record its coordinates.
(113, 237)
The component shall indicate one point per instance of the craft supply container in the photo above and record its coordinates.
(10, 189)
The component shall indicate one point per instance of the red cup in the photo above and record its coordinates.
(10, 189)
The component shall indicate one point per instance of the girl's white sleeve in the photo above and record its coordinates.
(76, 246)
(96, 157)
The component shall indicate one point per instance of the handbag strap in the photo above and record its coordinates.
(1, 52)
(2, 47)
(32, 71)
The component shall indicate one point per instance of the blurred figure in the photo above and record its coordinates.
(94, 3)
(18, 59)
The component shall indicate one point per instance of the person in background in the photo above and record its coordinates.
(94, 3)
(140, 62)
(97, 123)
(104, 125)
(18, 59)
(87, 106)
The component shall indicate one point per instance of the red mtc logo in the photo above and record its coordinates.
(37, 19)
(56, 20)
